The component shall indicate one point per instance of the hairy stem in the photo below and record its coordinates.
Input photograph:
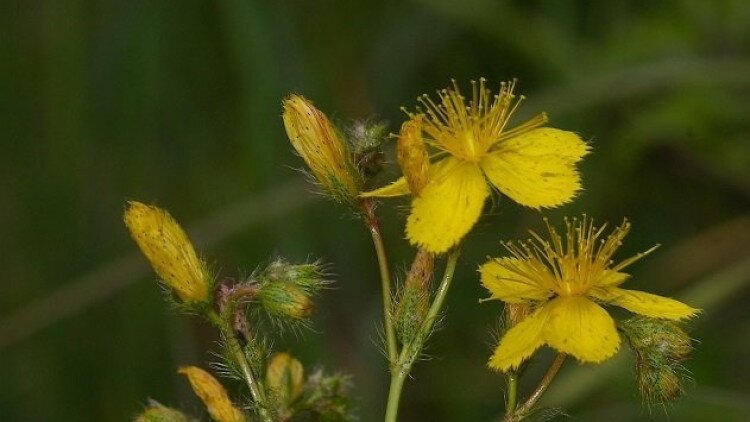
(256, 390)
(541, 388)
(385, 279)
(412, 350)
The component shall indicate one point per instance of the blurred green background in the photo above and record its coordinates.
(178, 103)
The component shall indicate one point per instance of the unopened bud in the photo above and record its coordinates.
(413, 299)
(157, 412)
(366, 139)
(659, 383)
(213, 395)
(170, 252)
(650, 335)
(285, 377)
(318, 143)
(285, 300)
(412, 155)
(309, 276)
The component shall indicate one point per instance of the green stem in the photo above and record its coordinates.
(540, 389)
(235, 348)
(512, 399)
(412, 350)
(385, 280)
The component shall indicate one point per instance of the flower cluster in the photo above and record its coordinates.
(454, 152)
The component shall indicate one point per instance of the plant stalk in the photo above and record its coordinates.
(371, 220)
(412, 350)
(512, 399)
(540, 389)
(256, 389)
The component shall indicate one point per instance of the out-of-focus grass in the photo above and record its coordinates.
(179, 103)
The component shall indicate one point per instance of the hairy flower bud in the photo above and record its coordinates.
(285, 377)
(308, 276)
(649, 335)
(285, 300)
(157, 412)
(412, 156)
(412, 300)
(213, 395)
(169, 251)
(318, 143)
(366, 139)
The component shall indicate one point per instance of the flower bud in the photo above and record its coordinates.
(157, 412)
(659, 383)
(649, 335)
(285, 377)
(318, 143)
(285, 300)
(366, 139)
(412, 156)
(170, 252)
(413, 299)
(213, 395)
(309, 277)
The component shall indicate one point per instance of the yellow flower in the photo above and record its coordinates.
(213, 395)
(169, 250)
(318, 143)
(533, 165)
(564, 279)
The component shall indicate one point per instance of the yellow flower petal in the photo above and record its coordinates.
(612, 278)
(581, 328)
(537, 168)
(213, 395)
(520, 342)
(397, 188)
(505, 280)
(448, 206)
(646, 304)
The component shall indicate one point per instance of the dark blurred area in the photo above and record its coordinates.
(179, 103)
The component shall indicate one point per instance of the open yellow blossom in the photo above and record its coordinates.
(533, 165)
(318, 143)
(564, 280)
(169, 250)
(213, 395)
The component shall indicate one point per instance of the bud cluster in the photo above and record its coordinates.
(319, 397)
(660, 347)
